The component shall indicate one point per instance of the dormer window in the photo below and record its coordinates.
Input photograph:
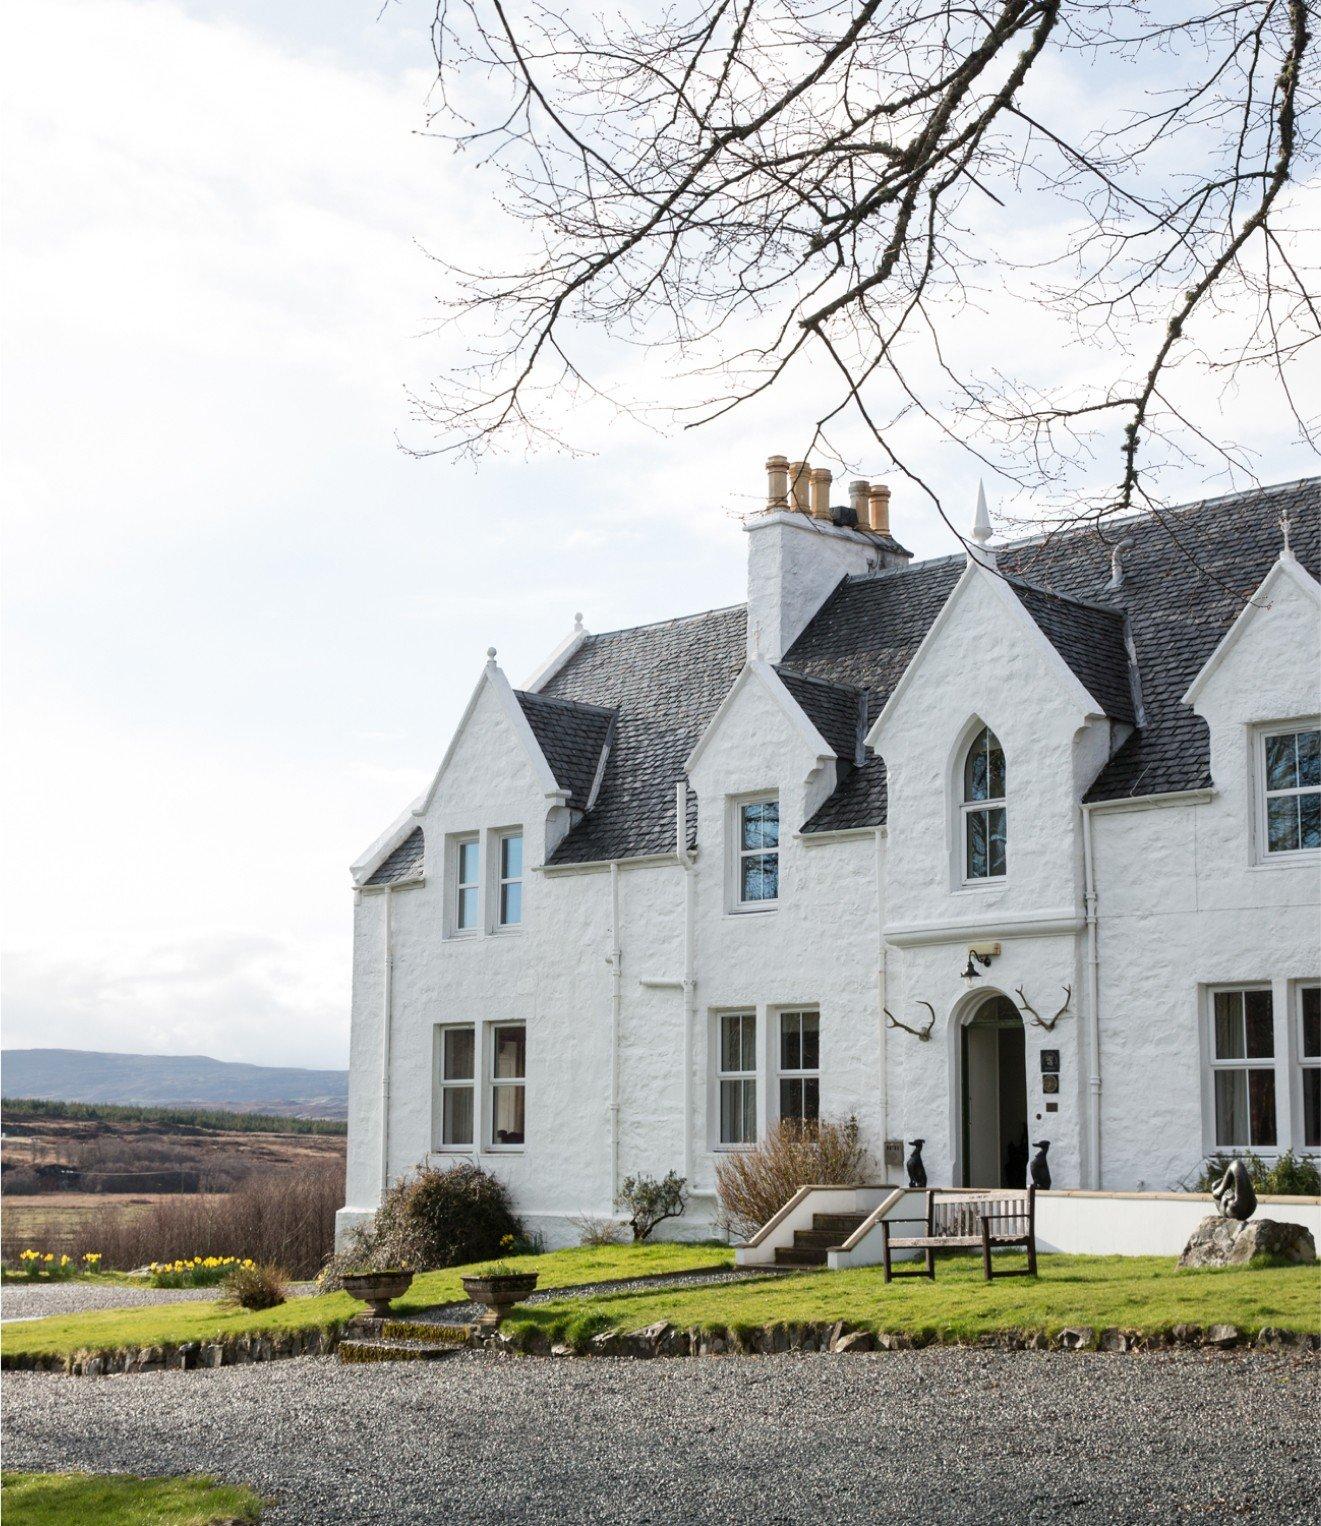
(757, 860)
(984, 808)
(1291, 793)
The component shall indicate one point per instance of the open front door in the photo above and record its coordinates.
(993, 1078)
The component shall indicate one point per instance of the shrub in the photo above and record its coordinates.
(250, 1286)
(593, 1231)
(1291, 1175)
(649, 1202)
(753, 1185)
(435, 1218)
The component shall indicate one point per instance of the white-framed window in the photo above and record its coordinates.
(983, 809)
(800, 1066)
(736, 1078)
(1289, 764)
(509, 880)
(1242, 1052)
(467, 884)
(508, 1048)
(457, 1060)
(757, 853)
(1309, 1061)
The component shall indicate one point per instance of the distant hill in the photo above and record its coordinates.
(174, 1080)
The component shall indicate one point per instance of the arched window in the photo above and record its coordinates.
(984, 808)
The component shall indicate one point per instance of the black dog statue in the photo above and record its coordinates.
(917, 1172)
(1040, 1170)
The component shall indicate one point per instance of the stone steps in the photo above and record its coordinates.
(381, 1350)
(810, 1245)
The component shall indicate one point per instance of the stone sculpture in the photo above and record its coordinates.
(917, 1172)
(1234, 1194)
(1040, 1170)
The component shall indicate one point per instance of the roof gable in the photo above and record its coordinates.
(758, 671)
(1286, 568)
(403, 864)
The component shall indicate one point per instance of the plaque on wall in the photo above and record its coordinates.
(1050, 1062)
(894, 1154)
(1050, 1084)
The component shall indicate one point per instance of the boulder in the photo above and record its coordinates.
(854, 1340)
(1231, 1242)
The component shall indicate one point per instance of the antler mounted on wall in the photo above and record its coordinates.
(923, 1033)
(1036, 1017)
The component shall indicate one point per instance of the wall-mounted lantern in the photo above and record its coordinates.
(979, 953)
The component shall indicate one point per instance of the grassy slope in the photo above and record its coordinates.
(1143, 1293)
(171, 1324)
(55, 1499)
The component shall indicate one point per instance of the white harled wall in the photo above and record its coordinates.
(878, 917)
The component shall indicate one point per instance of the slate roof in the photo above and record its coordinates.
(1187, 573)
(665, 682)
(572, 736)
(834, 709)
(1090, 639)
(403, 863)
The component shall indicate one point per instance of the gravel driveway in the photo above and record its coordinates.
(937, 1435)
(18, 1301)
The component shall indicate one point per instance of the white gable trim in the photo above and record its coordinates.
(557, 659)
(758, 670)
(1086, 702)
(493, 678)
(1287, 565)
(368, 862)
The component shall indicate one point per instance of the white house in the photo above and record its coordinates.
(1055, 806)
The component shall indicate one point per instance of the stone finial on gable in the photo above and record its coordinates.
(981, 530)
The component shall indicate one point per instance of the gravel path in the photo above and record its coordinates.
(463, 1313)
(35, 1300)
(926, 1436)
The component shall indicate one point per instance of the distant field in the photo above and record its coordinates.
(54, 1220)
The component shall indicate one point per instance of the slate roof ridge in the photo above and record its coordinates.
(1098, 605)
(785, 671)
(1056, 537)
(651, 625)
(581, 705)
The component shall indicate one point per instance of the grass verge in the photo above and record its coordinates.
(1142, 1293)
(55, 1499)
(172, 1324)
(92, 1279)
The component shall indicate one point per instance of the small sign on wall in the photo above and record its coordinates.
(1050, 1064)
(894, 1154)
(1050, 1085)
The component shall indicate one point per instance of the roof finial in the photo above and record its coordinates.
(981, 525)
(1284, 530)
(578, 621)
(490, 656)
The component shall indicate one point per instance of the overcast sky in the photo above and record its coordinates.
(240, 622)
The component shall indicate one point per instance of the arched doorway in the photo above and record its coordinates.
(994, 1096)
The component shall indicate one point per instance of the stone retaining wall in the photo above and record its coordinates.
(664, 1340)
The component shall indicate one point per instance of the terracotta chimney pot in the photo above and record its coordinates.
(800, 474)
(821, 478)
(858, 494)
(777, 484)
(880, 508)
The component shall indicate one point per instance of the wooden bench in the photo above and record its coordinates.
(963, 1219)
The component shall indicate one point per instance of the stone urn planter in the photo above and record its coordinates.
(499, 1293)
(377, 1288)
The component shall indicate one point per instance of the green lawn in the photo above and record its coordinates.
(1142, 1293)
(96, 1279)
(55, 1499)
(172, 1324)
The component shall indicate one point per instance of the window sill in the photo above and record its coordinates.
(1303, 858)
(753, 909)
(464, 935)
(503, 1149)
(514, 930)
